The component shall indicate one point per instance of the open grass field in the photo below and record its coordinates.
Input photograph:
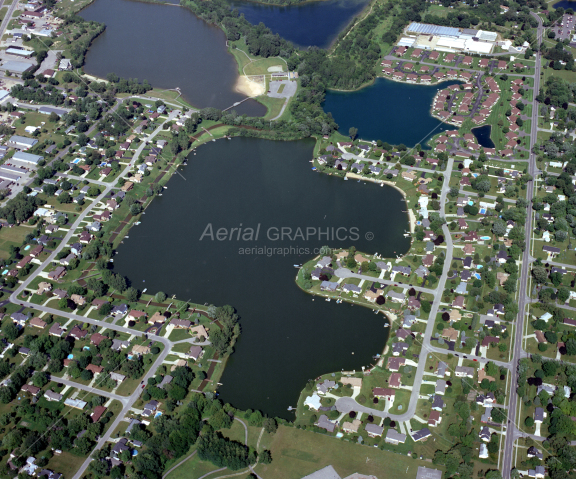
(66, 464)
(260, 67)
(192, 469)
(564, 74)
(12, 236)
(297, 453)
(274, 106)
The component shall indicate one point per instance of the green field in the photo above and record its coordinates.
(297, 453)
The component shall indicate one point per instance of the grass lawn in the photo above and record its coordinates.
(297, 453)
(66, 464)
(274, 106)
(564, 74)
(179, 335)
(192, 469)
(260, 67)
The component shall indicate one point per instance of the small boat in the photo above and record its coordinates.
(328, 299)
(386, 325)
(297, 265)
(406, 235)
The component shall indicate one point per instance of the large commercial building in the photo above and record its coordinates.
(21, 142)
(448, 39)
(16, 67)
(46, 110)
(27, 159)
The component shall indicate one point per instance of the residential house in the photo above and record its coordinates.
(394, 363)
(32, 390)
(351, 427)
(43, 287)
(58, 273)
(422, 434)
(94, 369)
(394, 437)
(97, 414)
(78, 333)
(324, 423)
(440, 387)
(384, 393)
(135, 315)
(395, 380)
(140, 350)
(157, 318)
(52, 396)
(434, 418)
(117, 377)
(374, 430)
(38, 323)
(56, 330)
(195, 352)
(464, 372)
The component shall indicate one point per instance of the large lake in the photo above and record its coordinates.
(389, 111)
(168, 46)
(287, 338)
(308, 24)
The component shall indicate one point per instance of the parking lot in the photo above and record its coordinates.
(565, 29)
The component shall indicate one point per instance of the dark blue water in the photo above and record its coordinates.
(388, 111)
(565, 4)
(168, 46)
(287, 338)
(482, 134)
(308, 24)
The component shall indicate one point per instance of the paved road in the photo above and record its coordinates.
(385, 164)
(7, 17)
(345, 404)
(90, 389)
(517, 353)
(126, 401)
(346, 273)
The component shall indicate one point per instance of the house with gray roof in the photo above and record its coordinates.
(328, 286)
(440, 387)
(325, 386)
(461, 288)
(374, 430)
(421, 434)
(539, 415)
(396, 297)
(117, 344)
(464, 372)
(382, 266)
(441, 369)
(167, 379)
(404, 270)
(325, 423)
(351, 288)
(394, 437)
(485, 434)
(427, 473)
(437, 403)
(534, 452)
(52, 396)
(487, 416)
(325, 261)
(399, 348)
